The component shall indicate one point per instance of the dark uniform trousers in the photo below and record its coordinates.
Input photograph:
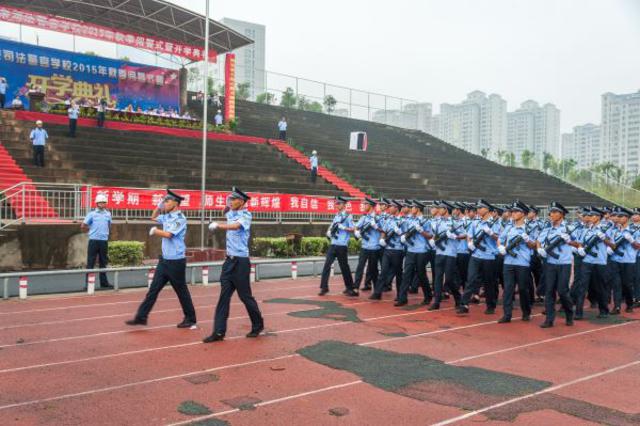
(235, 276)
(391, 267)
(431, 258)
(577, 274)
(173, 271)
(499, 270)
(557, 281)
(636, 282)
(482, 272)
(591, 276)
(369, 258)
(415, 268)
(622, 283)
(463, 268)
(520, 275)
(99, 249)
(339, 252)
(447, 274)
(73, 124)
(314, 174)
(38, 155)
(538, 279)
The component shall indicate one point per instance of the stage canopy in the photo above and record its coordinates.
(151, 18)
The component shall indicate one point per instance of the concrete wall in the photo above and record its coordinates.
(64, 246)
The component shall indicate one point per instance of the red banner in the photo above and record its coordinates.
(98, 32)
(229, 87)
(148, 199)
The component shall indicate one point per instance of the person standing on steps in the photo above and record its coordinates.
(313, 163)
(282, 128)
(73, 113)
(38, 138)
(236, 268)
(3, 91)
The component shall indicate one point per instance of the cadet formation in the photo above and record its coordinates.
(481, 251)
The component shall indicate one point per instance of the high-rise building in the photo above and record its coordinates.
(476, 124)
(250, 60)
(620, 131)
(586, 145)
(568, 148)
(534, 128)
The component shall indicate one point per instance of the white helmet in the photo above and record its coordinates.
(101, 198)
(314, 152)
(39, 122)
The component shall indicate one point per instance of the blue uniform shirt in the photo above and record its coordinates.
(175, 223)
(3, 88)
(418, 243)
(487, 242)
(73, 113)
(313, 161)
(599, 250)
(522, 252)
(39, 136)
(627, 253)
(238, 239)
(98, 222)
(393, 233)
(445, 246)
(342, 236)
(463, 227)
(371, 238)
(564, 252)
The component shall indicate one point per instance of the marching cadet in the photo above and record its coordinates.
(172, 264)
(339, 233)
(482, 239)
(98, 225)
(434, 211)
(554, 245)
(236, 268)
(462, 221)
(383, 205)
(534, 226)
(625, 250)
(635, 219)
(516, 247)
(445, 237)
(415, 264)
(368, 230)
(594, 264)
(393, 252)
(578, 235)
(502, 218)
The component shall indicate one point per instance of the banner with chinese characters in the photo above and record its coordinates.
(62, 75)
(97, 32)
(229, 87)
(148, 199)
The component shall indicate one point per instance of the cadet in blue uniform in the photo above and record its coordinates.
(172, 264)
(594, 252)
(339, 233)
(482, 239)
(393, 252)
(635, 219)
(445, 236)
(533, 228)
(236, 268)
(516, 247)
(368, 230)
(623, 260)
(415, 264)
(464, 214)
(98, 224)
(554, 246)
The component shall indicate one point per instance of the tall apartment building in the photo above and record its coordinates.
(535, 128)
(250, 60)
(620, 131)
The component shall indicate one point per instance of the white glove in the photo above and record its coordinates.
(628, 237)
(581, 252)
(382, 242)
(525, 238)
(609, 251)
(357, 234)
(329, 234)
(342, 227)
(403, 239)
(451, 235)
(574, 250)
(566, 237)
(153, 230)
(160, 205)
(213, 226)
(419, 228)
(373, 224)
(542, 252)
(502, 250)
(432, 243)
(487, 230)
(601, 235)
(471, 246)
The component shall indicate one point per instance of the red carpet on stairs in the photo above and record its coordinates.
(323, 172)
(34, 205)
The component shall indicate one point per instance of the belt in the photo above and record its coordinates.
(236, 257)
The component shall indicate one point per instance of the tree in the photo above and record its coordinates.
(330, 103)
(242, 91)
(314, 106)
(547, 161)
(193, 75)
(610, 170)
(265, 98)
(289, 99)
(636, 183)
(510, 158)
(484, 152)
(302, 102)
(527, 158)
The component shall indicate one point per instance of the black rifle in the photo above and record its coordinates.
(333, 231)
(440, 238)
(558, 241)
(364, 231)
(513, 244)
(595, 240)
(479, 236)
(408, 236)
(390, 235)
(621, 242)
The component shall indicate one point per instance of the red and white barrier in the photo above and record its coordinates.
(252, 275)
(24, 285)
(294, 270)
(205, 275)
(91, 283)
(150, 275)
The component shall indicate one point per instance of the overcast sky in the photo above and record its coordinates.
(567, 52)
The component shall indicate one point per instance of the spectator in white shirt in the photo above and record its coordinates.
(16, 103)
(282, 127)
(73, 112)
(313, 163)
(218, 119)
(3, 91)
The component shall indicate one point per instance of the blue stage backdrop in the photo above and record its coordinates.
(61, 75)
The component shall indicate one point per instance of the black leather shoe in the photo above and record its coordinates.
(546, 325)
(475, 299)
(526, 317)
(350, 293)
(323, 292)
(375, 297)
(462, 310)
(603, 315)
(366, 288)
(615, 311)
(397, 304)
(433, 307)
(425, 302)
(106, 286)
(489, 311)
(569, 321)
(504, 320)
(186, 324)
(215, 337)
(256, 332)
(136, 321)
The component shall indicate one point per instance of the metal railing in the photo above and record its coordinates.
(194, 273)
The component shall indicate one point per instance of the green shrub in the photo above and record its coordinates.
(309, 246)
(126, 253)
(354, 246)
(314, 246)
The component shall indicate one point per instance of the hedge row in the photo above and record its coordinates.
(306, 246)
(125, 253)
